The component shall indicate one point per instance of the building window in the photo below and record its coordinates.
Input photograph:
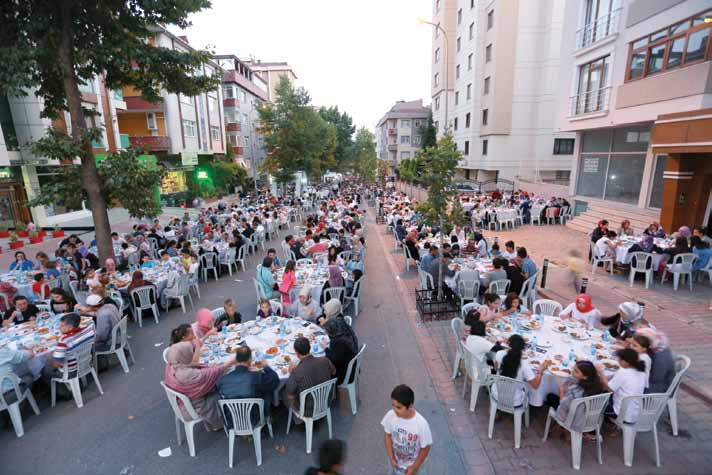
(212, 104)
(467, 147)
(405, 139)
(490, 19)
(244, 96)
(488, 53)
(215, 133)
(437, 55)
(454, 124)
(485, 114)
(684, 43)
(459, 43)
(417, 140)
(485, 144)
(151, 121)
(487, 85)
(563, 146)
(405, 123)
(592, 95)
(246, 141)
(469, 91)
(467, 120)
(656, 189)
(472, 4)
(417, 123)
(469, 62)
(437, 103)
(459, 16)
(185, 99)
(457, 72)
(189, 128)
(436, 79)
(228, 92)
(405, 155)
(471, 31)
(457, 97)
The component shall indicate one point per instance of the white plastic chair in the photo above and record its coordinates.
(334, 293)
(353, 368)
(229, 261)
(165, 354)
(594, 406)
(207, 263)
(241, 258)
(681, 266)
(119, 342)
(82, 365)
(458, 328)
(651, 407)
(425, 279)
(47, 287)
(467, 307)
(240, 411)
(507, 389)
(499, 287)
(408, 258)
(13, 408)
(600, 260)
(479, 374)
(705, 270)
(217, 313)
(468, 290)
(644, 265)
(180, 290)
(355, 297)
(193, 282)
(304, 262)
(682, 364)
(146, 301)
(188, 424)
(260, 292)
(547, 307)
(320, 394)
(276, 307)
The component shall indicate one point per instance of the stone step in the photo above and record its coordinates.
(615, 213)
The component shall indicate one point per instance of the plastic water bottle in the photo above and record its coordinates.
(572, 356)
(606, 335)
(534, 341)
(315, 347)
(281, 328)
(224, 329)
(593, 350)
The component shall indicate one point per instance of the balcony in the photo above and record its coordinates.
(599, 29)
(392, 132)
(393, 147)
(154, 143)
(233, 127)
(227, 102)
(238, 150)
(591, 102)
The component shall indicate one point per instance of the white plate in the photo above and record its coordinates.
(560, 373)
(544, 343)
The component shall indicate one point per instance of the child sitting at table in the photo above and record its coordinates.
(41, 293)
(265, 310)
(229, 317)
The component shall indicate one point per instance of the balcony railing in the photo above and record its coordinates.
(231, 102)
(233, 127)
(151, 142)
(589, 102)
(391, 131)
(599, 29)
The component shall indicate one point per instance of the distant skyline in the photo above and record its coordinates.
(360, 56)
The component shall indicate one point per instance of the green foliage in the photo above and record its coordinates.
(439, 170)
(228, 175)
(364, 161)
(121, 174)
(428, 133)
(345, 129)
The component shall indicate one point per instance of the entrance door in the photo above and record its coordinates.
(7, 208)
(708, 212)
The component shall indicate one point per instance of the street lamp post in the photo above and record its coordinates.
(445, 60)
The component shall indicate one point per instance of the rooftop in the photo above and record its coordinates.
(406, 110)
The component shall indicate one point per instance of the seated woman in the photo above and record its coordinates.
(356, 275)
(606, 247)
(183, 332)
(655, 230)
(661, 368)
(476, 342)
(60, 301)
(21, 263)
(354, 262)
(343, 343)
(626, 230)
(646, 244)
(679, 247)
(203, 325)
(629, 380)
(513, 304)
(305, 307)
(620, 325)
(583, 311)
(489, 310)
(185, 374)
(509, 363)
(411, 242)
(585, 382)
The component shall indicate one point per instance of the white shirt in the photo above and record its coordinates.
(408, 436)
(478, 346)
(590, 318)
(508, 255)
(602, 246)
(648, 363)
(524, 373)
(627, 382)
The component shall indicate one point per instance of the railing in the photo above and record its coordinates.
(599, 29)
(589, 102)
(151, 142)
(231, 102)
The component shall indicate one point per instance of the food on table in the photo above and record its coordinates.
(53, 337)
(535, 362)
(610, 365)
(561, 328)
(231, 349)
(554, 368)
(600, 346)
(559, 357)
(300, 335)
(508, 328)
(280, 342)
(42, 331)
(272, 350)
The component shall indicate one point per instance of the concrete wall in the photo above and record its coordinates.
(545, 190)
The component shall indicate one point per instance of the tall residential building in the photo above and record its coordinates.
(637, 79)
(398, 131)
(244, 91)
(499, 60)
(271, 72)
(178, 128)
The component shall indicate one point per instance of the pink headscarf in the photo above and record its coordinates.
(203, 322)
(193, 380)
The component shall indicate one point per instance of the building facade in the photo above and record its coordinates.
(499, 60)
(638, 77)
(244, 92)
(398, 132)
(270, 73)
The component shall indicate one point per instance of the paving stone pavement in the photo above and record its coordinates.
(685, 320)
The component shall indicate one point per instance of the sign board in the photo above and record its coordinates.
(189, 159)
(590, 165)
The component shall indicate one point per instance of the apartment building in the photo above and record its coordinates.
(398, 132)
(494, 84)
(244, 92)
(177, 129)
(638, 77)
(270, 73)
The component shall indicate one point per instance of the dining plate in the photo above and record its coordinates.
(560, 372)
(544, 343)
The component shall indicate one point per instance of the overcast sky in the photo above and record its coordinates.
(361, 56)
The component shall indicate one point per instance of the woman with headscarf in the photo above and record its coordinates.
(680, 246)
(626, 229)
(305, 307)
(620, 324)
(203, 325)
(196, 381)
(343, 344)
(137, 280)
(655, 230)
(411, 242)
(583, 311)
(683, 231)
(481, 244)
(661, 370)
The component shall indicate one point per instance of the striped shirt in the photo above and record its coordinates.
(71, 341)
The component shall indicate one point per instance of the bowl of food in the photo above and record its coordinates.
(281, 342)
(284, 360)
(272, 351)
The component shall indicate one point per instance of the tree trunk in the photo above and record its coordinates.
(89, 173)
(440, 266)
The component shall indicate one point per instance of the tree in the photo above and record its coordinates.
(428, 133)
(383, 170)
(296, 138)
(364, 161)
(55, 46)
(344, 132)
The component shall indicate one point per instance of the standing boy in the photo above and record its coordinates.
(407, 434)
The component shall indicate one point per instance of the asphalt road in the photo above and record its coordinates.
(122, 431)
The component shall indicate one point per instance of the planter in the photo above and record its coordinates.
(56, 234)
(21, 233)
(42, 233)
(4, 234)
(36, 240)
(16, 244)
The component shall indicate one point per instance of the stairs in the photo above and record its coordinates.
(615, 213)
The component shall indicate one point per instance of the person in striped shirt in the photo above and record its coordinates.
(73, 336)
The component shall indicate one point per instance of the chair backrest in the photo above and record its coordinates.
(507, 389)
(230, 255)
(650, 407)
(593, 411)
(174, 397)
(133, 259)
(43, 307)
(426, 280)
(78, 361)
(356, 292)
(524, 293)
(47, 287)
(550, 212)
(458, 328)
(207, 260)
(641, 261)
(276, 307)
(117, 298)
(682, 364)
(354, 365)
(499, 287)
(15, 381)
(547, 307)
(468, 289)
(334, 293)
(304, 262)
(146, 296)
(217, 313)
(685, 259)
(165, 354)
(258, 288)
(181, 285)
(320, 395)
(349, 321)
(467, 307)
(241, 253)
(240, 411)
(118, 335)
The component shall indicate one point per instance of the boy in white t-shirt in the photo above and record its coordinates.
(407, 434)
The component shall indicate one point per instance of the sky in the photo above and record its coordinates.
(361, 56)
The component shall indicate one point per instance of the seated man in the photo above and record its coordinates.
(106, 316)
(72, 337)
(509, 250)
(308, 373)
(434, 270)
(244, 384)
(21, 311)
(8, 359)
(498, 273)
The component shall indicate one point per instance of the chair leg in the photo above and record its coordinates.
(16, 418)
(182, 302)
(352, 398)
(628, 446)
(493, 412)
(128, 347)
(230, 448)
(546, 428)
(289, 420)
(257, 441)
(675, 280)
(122, 360)
(576, 442)
(672, 410)
(190, 298)
(96, 381)
(517, 429)
(632, 278)
(33, 404)
(309, 427)
(191, 441)
(456, 366)
(657, 446)
(179, 433)
(76, 392)
(474, 392)
(53, 391)
(328, 421)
